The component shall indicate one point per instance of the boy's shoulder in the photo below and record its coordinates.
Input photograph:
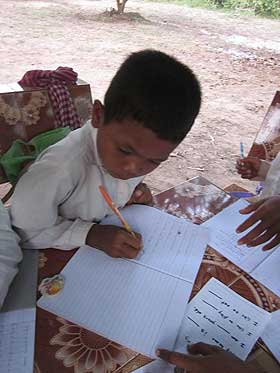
(76, 150)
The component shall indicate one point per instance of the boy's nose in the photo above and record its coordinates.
(133, 169)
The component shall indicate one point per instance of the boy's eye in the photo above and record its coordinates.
(125, 151)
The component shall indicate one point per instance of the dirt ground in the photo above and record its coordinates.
(236, 59)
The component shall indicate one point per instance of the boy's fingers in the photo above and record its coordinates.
(138, 193)
(134, 241)
(142, 186)
(143, 194)
(203, 349)
(129, 252)
(140, 190)
(180, 360)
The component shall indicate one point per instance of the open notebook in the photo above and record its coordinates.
(262, 265)
(138, 303)
(218, 316)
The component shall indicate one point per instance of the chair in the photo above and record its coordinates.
(267, 142)
(25, 113)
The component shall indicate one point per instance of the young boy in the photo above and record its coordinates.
(149, 107)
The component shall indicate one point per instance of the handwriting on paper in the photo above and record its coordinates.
(219, 316)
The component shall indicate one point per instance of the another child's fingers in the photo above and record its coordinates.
(272, 243)
(239, 162)
(252, 207)
(203, 349)
(180, 360)
(255, 217)
(265, 237)
(250, 237)
(246, 175)
(253, 234)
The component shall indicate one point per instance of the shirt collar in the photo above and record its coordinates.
(94, 146)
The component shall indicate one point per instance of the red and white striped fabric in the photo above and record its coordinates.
(56, 82)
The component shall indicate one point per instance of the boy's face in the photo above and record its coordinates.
(127, 149)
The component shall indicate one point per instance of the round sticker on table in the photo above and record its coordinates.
(51, 286)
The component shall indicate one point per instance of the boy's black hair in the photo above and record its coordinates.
(157, 91)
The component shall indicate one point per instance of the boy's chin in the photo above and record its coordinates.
(114, 174)
(121, 176)
(117, 176)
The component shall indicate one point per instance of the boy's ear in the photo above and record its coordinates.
(97, 117)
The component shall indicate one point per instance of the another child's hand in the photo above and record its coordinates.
(141, 195)
(248, 167)
(114, 241)
(205, 358)
(267, 214)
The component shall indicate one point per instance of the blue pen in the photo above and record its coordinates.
(241, 150)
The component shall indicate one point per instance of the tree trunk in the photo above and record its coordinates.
(121, 5)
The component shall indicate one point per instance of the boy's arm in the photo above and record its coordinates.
(64, 234)
(263, 170)
(35, 209)
(10, 253)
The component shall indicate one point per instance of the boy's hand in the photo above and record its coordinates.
(248, 167)
(114, 241)
(206, 358)
(267, 212)
(141, 195)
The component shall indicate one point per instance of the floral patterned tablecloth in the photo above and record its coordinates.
(64, 347)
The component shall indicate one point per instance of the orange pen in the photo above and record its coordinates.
(115, 209)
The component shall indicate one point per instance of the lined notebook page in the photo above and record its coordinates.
(217, 315)
(17, 334)
(133, 305)
(268, 272)
(224, 239)
(171, 244)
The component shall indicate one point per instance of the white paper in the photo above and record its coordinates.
(271, 334)
(219, 316)
(133, 305)
(17, 334)
(156, 366)
(139, 304)
(268, 272)
(171, 244)
(10, 87)
(255, 261)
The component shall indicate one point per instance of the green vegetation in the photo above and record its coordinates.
(266, 8)
(270, 8)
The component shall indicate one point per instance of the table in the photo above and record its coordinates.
(64, 347)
